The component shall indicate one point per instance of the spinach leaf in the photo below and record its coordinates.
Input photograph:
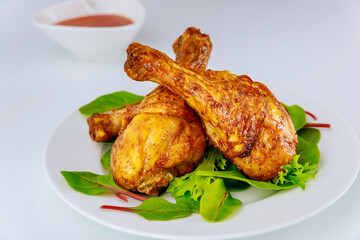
(311, 135)
(92, 183)
(159, 209)
(156, 209)
(109, 102)
(297, 114)
(105, 160)
(216, 203)
(308, 152)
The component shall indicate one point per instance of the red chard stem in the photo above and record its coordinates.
(124, 209)
(121, 197)
(317, 125)
(311, 115)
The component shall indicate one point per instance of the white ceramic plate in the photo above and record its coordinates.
(71, 149)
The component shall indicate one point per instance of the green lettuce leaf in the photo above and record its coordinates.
(193, 183)
(296, 173)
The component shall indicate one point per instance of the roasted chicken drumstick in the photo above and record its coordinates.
(241, 117)
(106, 126)
(192, 49)
(165, 137)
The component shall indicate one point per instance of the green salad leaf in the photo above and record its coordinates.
(234, 185)
(156, 209)
(235, 174)
(207, 194)
(92, 183)
(297, 114)
(193, 204)
(193, 183)
(308, 152)
(159, 209)
(105, 160)
(216, 203)
(311, 135)
(109, 102)
(295, 174)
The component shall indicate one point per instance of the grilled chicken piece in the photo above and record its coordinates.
(241, 117)
(106, 126)
(166, 138)
(192, 49)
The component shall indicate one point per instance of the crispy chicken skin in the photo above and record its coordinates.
(106, 126)
(154, 148)
(165, 138)
(192, 49)
(241, 117)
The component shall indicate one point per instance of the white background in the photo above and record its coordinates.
(311, 46)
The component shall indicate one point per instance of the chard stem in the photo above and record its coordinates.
(317, 125)
(124, 209)
(121, 197)
(311, 115)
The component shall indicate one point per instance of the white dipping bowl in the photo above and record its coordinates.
(91, 42)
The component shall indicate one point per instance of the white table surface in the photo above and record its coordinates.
(312, 46)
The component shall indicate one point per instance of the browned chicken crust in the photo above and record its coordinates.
(106, 126)
(192, 49)
(165, 138)
(241, 117)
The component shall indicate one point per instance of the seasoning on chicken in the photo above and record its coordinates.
(106, 126)
(241, 117)
(192, 49)
(165, 138)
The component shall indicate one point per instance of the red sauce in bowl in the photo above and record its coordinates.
(98, 20)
